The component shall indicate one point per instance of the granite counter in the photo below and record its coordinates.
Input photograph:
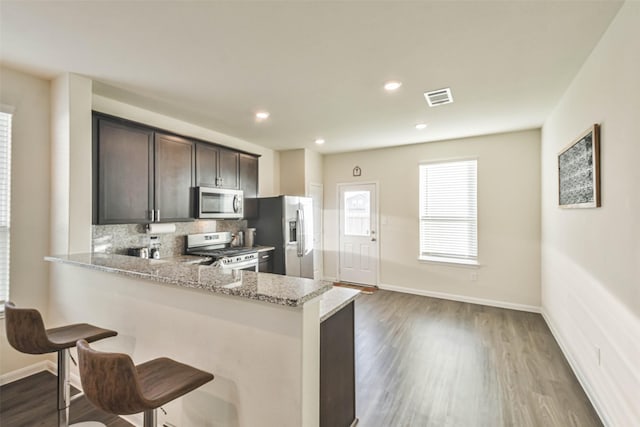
(272, 288)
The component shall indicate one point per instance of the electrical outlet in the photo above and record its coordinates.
(474, 276)
(598, 355)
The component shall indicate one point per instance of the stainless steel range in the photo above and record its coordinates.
(218, 247)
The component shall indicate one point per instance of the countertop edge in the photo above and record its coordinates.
(336, 299)
(283, 301)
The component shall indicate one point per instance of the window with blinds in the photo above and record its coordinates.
(5, 197)
(449, 211)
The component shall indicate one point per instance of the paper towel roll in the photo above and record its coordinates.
(161, 228)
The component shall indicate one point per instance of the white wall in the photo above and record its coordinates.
(29, 200)
(71, 161)
(269, 174)
(508, 217)
(313, 168)
(299, 169)
(591, 257)
(292, 172)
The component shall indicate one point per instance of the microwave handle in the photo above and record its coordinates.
(236, 203)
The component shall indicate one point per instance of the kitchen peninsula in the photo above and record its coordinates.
(258, 333)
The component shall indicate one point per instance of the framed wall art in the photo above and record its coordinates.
(579, 171)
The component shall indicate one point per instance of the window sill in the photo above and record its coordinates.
(454, 262)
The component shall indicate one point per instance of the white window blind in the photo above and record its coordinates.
(5, 197)
(449, 211)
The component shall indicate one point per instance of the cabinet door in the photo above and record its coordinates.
(337, 369)
(228, 169)
(249, 184)
(207, 165)
(265, 262)
(124, 172)
(174, 178)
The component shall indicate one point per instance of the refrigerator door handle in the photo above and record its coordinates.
(300, 231)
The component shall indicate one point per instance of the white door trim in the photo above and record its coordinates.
(379, 232)
(321, 223)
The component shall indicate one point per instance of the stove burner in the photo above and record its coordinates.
(222, 253)
(216, 246)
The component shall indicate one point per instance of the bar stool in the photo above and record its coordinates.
(27, 334)
(114, 384)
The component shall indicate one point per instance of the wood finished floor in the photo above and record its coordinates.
(419, 362)
(428, 362)
(32, 402)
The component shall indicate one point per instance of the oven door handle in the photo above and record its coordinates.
(240, 265)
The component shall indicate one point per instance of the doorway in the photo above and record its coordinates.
(358, 239)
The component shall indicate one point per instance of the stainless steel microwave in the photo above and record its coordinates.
(218, 203)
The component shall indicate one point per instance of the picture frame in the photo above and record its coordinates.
(579, 171)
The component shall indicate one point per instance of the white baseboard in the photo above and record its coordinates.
(461, 298)
(582, 379)
(18, 374)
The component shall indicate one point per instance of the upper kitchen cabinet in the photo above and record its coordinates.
(123, 169)
(140, 175)
(143, 174)
(216, 166)
(249, 184)
(174, 178)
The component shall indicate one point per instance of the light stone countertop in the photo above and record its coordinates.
(272, 288)
(334, 300)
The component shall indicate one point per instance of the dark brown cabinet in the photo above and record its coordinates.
(207, 157)
(174, 178)
(140, 175)
(216, 166)
(337, 369)
(265, 261)
(249, 184)
(228, 169)
(123, 168)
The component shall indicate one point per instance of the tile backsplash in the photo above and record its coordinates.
(117, 239)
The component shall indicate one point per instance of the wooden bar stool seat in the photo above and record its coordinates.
(27, 334)
(114, 384)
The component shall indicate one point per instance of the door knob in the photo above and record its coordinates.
(373, 239)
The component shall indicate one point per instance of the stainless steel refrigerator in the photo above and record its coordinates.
(286, 223)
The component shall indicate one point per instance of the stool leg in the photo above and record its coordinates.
(150, 418)
(64, 390)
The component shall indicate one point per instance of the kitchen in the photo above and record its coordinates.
(57, 70)
(222, 262)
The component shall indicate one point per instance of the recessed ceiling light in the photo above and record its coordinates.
(421, 126)
(262, 115)
(391, 86)
(319, 141)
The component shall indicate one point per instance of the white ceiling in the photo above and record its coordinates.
(317, 67)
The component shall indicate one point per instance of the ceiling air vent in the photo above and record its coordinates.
(439, 97)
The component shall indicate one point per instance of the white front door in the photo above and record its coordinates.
(316, 194)
(358, 261)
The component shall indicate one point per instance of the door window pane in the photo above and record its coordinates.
(357, 213)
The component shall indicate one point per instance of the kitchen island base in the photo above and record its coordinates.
(265, 356)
